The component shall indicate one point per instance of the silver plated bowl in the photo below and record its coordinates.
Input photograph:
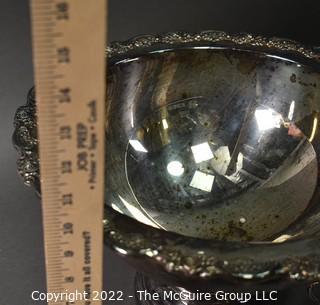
(212, 157)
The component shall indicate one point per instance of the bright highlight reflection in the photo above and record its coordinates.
(267, 119)
(165, 124)
(202, 181)
(175, 168)
(314, 128)
(291, 110)
(114, 206)
(221, 160)
(137, 145)
(137, 214)
(202, 152)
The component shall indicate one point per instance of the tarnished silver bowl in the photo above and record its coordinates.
(212, 157)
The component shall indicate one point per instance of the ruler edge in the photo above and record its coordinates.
(36, 82)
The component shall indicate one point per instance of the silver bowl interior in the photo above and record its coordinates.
(213, 142)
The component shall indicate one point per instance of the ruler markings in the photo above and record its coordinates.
(62, 62)
(54, 261)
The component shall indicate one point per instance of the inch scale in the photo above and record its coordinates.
(69, 39)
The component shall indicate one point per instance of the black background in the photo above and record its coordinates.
(21, 247)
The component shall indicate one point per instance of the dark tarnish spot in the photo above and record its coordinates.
(293, 78)
(236, 232)
(188, 205)
(272, 68)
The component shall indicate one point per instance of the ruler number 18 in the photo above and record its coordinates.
(62, 10)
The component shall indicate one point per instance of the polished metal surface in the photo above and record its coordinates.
(212, 142)
(213, 139)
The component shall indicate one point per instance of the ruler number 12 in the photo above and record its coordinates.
(68, 228)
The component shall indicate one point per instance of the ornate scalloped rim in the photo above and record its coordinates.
(191, 262)
(175, 38)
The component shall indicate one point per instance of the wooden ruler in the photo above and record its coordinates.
(69, 38)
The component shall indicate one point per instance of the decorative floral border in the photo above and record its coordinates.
(176, 38)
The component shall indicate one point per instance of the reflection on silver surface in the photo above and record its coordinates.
(201, 152)
(165, 124)
(175, 168)
(137, 145)
(137, 213)
(213, 143)
(314, 129)
(267, 119)
(202, 181)
(291, 110)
